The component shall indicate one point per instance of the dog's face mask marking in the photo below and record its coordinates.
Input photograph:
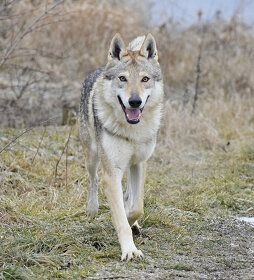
(133, 75)
(133, 89)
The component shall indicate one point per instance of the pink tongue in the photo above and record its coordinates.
(133, 114)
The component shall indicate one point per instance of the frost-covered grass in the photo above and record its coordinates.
(189, 227)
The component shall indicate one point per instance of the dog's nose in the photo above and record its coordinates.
(135, 101)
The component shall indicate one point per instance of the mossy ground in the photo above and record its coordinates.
(189, 228)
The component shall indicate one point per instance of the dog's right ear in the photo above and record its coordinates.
(148, 49)
(117, 48)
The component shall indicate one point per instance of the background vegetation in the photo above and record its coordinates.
(200, 179)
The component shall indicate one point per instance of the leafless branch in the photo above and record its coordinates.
(7, 4)
(27, 30)
(27, 68)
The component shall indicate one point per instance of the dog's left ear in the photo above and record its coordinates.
(148, 48)
(117, 48)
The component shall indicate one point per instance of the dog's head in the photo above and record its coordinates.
(132, 75)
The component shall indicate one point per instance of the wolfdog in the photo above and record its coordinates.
(120, 114)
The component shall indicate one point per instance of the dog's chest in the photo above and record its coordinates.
(142, 152)
(121, 152)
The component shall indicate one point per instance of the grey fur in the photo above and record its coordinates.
(97, 123)
(87, 86)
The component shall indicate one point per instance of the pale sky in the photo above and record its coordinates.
(185, 11)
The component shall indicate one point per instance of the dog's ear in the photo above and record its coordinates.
(148, 48)
(117, 48)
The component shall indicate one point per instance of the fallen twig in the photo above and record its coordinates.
(112, 277)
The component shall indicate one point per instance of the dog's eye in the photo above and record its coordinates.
(122, 79)
(145, 79)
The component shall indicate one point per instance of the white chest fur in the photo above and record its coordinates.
(122, 152)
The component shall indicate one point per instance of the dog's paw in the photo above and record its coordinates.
(91, 211)
(130, 255)
(136, 229)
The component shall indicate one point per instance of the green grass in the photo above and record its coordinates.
(189, 228)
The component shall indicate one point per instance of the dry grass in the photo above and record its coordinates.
(226, 92)
(191, 201)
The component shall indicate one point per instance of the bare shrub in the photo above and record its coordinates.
(43, 75)
(225, 104)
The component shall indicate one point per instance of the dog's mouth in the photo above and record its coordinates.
(132, 115)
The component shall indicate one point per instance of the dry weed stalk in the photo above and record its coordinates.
(65, 149)
(198, 65)
(37, 150)
(66, 158)
(198, 75)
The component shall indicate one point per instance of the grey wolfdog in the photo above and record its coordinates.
(120, 114)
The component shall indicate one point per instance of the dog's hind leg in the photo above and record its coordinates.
(134, 194)
(92, 162)
(92, 203)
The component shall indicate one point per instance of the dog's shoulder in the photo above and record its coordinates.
(87, 87)
(90, 80)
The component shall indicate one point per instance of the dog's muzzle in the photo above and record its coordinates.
(133, 114)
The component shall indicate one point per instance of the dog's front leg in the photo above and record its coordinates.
(134, 195)
(113, 191)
